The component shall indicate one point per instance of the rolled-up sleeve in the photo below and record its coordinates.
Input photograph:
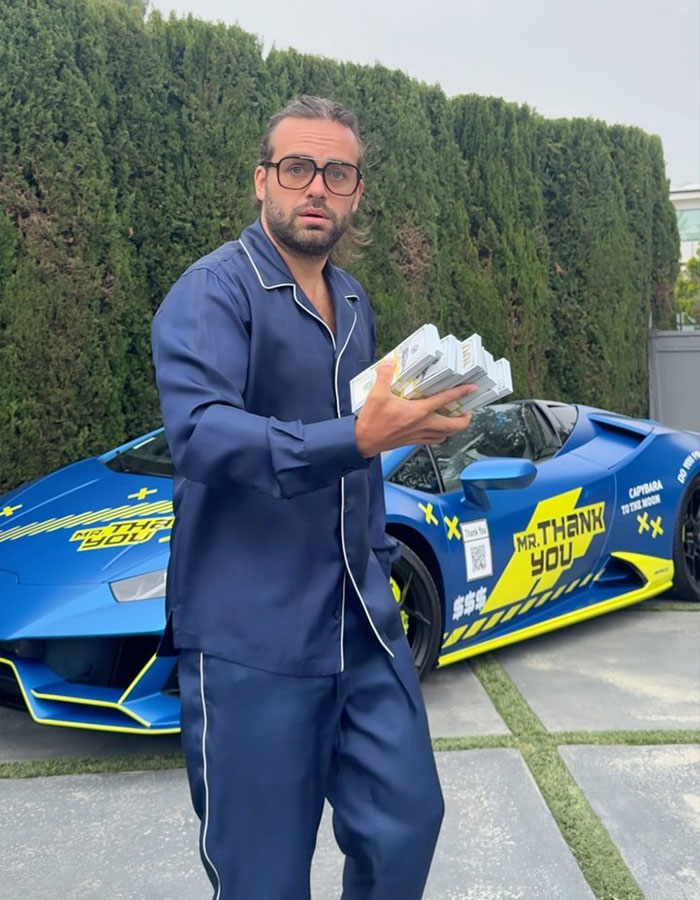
(201, 348)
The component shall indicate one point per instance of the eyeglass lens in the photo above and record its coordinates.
(295, 172)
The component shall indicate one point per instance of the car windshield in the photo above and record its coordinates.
(502, 429)
(149, 457)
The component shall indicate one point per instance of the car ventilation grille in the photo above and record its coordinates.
(112, 662)
(619, 573)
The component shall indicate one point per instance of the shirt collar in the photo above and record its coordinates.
(272, 271)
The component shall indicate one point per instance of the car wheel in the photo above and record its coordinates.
(420, 607)
(686, 544)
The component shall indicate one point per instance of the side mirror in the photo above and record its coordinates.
(497, 474)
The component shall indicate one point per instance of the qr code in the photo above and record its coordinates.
(477, 550)
(478, 557)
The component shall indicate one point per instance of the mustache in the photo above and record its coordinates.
(316, 204)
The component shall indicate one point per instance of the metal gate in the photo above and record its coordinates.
(674, 378)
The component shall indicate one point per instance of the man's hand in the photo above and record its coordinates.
(387, 421)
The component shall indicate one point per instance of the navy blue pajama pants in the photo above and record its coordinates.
(264, 750)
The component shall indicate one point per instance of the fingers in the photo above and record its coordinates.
(461, 422)
(438, 428)
(450, 424)
(437, 401)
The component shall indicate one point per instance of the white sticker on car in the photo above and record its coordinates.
(477, 549)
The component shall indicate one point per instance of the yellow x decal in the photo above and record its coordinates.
(656, 527)
(643, 523)
(142, 494)
(8, 510)
(452, 524)
(428, 510)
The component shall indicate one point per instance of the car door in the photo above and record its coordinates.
(523, 555)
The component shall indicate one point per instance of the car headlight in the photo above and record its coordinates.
(140, 587)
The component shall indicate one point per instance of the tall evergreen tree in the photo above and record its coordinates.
(127, 144)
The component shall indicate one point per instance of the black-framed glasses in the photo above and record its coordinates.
(297, 172)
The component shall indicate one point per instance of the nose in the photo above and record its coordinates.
(317, 186)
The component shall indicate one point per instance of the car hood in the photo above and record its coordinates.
(84, 524)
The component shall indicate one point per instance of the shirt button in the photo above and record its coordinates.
(338, 615)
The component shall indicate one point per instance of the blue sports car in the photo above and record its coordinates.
(538, 515)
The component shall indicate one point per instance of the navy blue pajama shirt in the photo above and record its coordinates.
(276, 511)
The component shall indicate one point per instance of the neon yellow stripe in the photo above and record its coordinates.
(494, 620)
(71, 520)
(511, 612)
(559, 592)
(572, 586)
(544, 598)
(137, 679)
(579, 615)
(528, 605)
(108, 704)
(32, 529)
(87, 518)
(120, 729)
(455, 636)
(585, 581)
(475, 627)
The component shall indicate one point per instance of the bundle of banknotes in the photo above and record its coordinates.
(426, 364)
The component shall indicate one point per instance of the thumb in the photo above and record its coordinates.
(385, 373)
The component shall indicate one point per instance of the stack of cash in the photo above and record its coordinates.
(426, 365)
(411, 357)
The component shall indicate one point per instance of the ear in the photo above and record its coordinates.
(260, 177)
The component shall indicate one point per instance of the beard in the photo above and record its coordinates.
(304, 240)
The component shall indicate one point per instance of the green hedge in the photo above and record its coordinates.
(127, 146)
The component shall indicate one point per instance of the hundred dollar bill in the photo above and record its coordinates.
(412, 356)
(502, 386)
(477, 368)
(443, 373)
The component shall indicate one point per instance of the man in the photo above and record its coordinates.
(296, 679)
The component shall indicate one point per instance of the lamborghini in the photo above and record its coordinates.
(539, 515)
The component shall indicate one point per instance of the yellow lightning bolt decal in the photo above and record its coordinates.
(558, 534)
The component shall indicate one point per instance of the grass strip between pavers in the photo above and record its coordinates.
(91, 765)
(595, 851)
(626, 738)
(474, 742)
(95, 765)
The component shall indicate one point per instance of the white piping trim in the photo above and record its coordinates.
(293, 286)
(342, 492)
(342, 480)
(342, 627)
(268, 287)
(347, 566)
(318, 319)
(205, 821)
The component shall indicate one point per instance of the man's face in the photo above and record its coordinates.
(310, 221)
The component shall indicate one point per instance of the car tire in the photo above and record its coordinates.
(686, 544)
(420, 606)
